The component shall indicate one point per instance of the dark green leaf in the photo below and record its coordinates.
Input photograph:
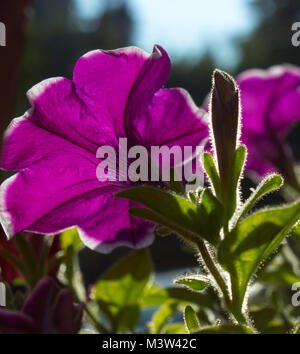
(262, 318)
(175, 186)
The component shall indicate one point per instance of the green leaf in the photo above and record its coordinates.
(178, 213)
(283, 275)
(191, 320)
(195, 282)
(193, 197)
(267, 185)
(127, 319)
(296, 231)
(211, 213)
(211, 170)
(175, 328)
(69, 238)
(262, 318)
(233, 192)
(153, 296)
(185, 295)
(251, 241)
(123, 284)
(225, 329)
(162, 315)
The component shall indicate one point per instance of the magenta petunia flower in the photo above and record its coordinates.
(114, 94)
(270, 102)
(48, 310)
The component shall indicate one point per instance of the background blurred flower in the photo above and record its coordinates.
(49, 310)
(270, 105)
(43, 253)
(113, 94)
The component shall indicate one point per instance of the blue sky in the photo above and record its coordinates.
(186, 28)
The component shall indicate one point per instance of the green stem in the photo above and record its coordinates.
(214, 271)
(210, 264)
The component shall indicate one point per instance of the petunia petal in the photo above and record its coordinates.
(270, 98)
(26, 143)
(103, 235)
(104, 80)
(270, 102)
(33, 198)
(152, 77)
(171, 119)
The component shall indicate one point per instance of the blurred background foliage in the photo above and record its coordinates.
(56, 35)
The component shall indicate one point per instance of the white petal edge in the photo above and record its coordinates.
(104, 247)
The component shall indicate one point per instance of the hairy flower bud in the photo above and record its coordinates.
(225, 115)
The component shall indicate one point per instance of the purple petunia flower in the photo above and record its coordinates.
(114, 94)
(270, 102)
(48, 310)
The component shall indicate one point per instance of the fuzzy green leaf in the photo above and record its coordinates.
(177, 213)
(225, 329)
(251, 241)
(267, 185)
(191, 319)
(211, 170)
(195, 282)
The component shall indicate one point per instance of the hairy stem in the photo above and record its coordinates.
(210, 264)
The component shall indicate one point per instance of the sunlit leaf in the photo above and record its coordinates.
(178, 213)
(267, 185)
(69, 238)
(162, 315)
(251, 241)
(175, 328)
(195, 282)
(153, 296)
(123, 284)
(211, 170)
(191, 320)
(225, 329)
